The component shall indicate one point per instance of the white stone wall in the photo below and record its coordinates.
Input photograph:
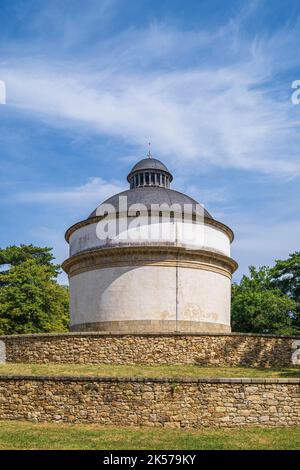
(192, 236)
(150, 293)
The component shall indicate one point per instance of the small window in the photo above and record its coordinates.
(131, 183)
(142, 178)
(136, 180)
(163, 180)
(147, 178)
(152, 178)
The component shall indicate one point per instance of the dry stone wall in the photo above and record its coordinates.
(204, 349)
(152, 402)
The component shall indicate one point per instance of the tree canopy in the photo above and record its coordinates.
(14, 255)
(31, 300)
(286, 277)
(268, 300)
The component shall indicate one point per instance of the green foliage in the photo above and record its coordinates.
(31, 300)
(286, 276)
(260, 306)
(14, 255)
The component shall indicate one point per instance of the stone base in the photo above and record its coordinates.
(153, 326)
(215, 349)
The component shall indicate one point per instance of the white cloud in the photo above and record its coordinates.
(45, 236)
(87, 195)
(222, 115)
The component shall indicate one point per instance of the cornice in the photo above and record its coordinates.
(147, 255)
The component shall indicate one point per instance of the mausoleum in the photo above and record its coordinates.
(150, 259)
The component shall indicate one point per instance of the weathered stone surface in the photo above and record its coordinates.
(204, 349)
(296, 352)
(2, 352)
(131, 402)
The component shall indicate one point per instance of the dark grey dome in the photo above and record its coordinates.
(149, 164)
(152, 195)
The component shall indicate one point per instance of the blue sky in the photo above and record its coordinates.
(89, 83)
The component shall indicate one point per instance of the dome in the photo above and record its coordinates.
(148, 195)
(149, 164)
(149, 184)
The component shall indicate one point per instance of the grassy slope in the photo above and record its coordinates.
(23, 435)
(141, 370)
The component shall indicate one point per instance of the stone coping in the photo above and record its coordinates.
(150, 334)
(167, 380)
(149, 254)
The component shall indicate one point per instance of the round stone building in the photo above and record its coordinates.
(150, 259)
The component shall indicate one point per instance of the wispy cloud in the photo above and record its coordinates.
(212, 97)
(87, 195)
(222, 113)
(46, 236)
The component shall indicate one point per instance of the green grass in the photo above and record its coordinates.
(24, 435)
(142, 370)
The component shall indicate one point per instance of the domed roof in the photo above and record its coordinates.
(147, 164)
(148, 195)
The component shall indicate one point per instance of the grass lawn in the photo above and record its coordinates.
(142, 370)
(24, 435)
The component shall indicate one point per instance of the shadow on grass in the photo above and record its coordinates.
(291, 373)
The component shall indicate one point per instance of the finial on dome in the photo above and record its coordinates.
(149, 154)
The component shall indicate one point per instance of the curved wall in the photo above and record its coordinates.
(102, 347)
(150, 298)
(160, 402)
(160, 275)
(194, 236)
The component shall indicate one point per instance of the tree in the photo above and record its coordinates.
(14, 255)
(286, 277)
(31, 300)
(258, 306)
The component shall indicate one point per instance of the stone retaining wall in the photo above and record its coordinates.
(152, 402)
(205, 349)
